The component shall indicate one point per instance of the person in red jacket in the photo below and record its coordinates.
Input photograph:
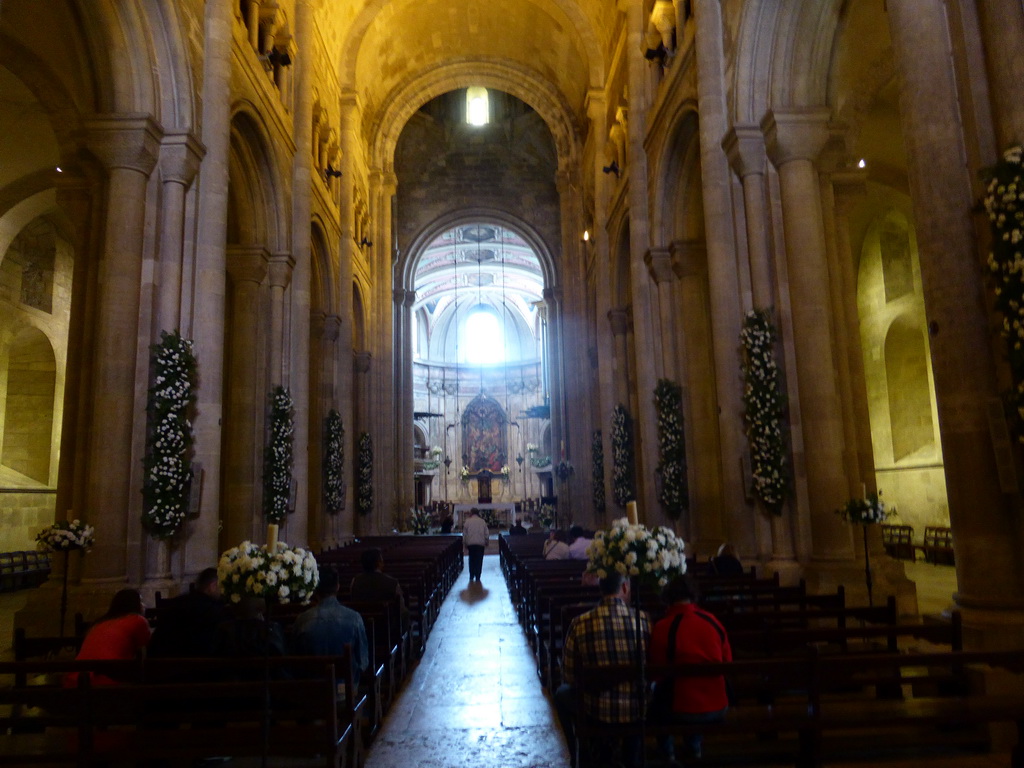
(689, 635)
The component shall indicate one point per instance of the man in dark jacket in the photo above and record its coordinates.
(186, 625)
(373, 585)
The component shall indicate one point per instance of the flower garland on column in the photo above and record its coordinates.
(167, 464)
(364, 480)
(1006, 260)
(763, 403)
(623, 480)
(597, 473)
(334, 462)
(675, 488)
(277, 476)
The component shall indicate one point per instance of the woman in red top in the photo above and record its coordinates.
(688, 635)
(121, 633)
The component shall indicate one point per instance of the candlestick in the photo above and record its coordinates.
(631, 512)
(271, 536)
(863, 490)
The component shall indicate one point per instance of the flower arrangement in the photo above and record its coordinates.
(623, 482)
(436, 451)
(65, 536)
(655, 556)
(674, 494)
(430, 464)
(280, 573)
(867, 511)
(168, 470)
(540, 461)
(597, 471)
(504, 472)
(277, 473)
(764, 401)
(490, 517)
(420, 521)
(464, 473)
(1003, 205)
(334, 460)
(364, 479)
(546, 515)
(531, 448)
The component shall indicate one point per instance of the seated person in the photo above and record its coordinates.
(688, 634)
(188, 623)
(446, 524)
(327, 627)
(517, 530)
(725, 563)
(120, 634)
(579, 543)
(605, 635)
(556, 548)
(375, 586)
(245, 633)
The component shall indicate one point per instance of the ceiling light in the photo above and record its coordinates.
(862, 163)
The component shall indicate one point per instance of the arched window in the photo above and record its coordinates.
(478, 111)
(484, 340)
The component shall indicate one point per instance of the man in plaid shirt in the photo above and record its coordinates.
(604, 636)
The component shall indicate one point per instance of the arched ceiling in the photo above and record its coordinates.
(386, 44)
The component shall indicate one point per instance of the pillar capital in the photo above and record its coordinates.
(331, 327)
(552, 296)
(596, 104)
(689, 257)
(247, 263)
(361, 362)
(125, 141)
(796, 134)
(180, 155)
(619, 321)
(280, 270)
(744, 146)
(659, 265)
(403, 298)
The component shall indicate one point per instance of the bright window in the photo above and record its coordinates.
(484, 342)
(477, 110)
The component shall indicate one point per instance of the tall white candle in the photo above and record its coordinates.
(631, 512)
(271, 536)
(863, 490)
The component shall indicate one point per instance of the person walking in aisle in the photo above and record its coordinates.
(474, 538)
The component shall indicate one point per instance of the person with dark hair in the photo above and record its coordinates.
(605, 636)
(187, 624)
(374, 586)
(725, 563)
(327, 627)
(690, 635)
(120, 634)
(475, 534)
(518, 529)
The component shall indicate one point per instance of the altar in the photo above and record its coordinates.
(508, 519)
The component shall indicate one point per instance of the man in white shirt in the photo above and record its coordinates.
(474, 539)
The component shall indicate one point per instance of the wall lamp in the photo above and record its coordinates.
(365, 243)
(279, 58)
(331, 173)
(613, 168)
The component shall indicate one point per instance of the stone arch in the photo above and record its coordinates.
(256, 210)
(31, 372)
(783, 56)
(526, 85)
(360, 338)
(322, 290)
(678, 183)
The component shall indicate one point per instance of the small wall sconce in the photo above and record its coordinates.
(586, 235)
(365, 243)
(613, 168)
(331, 173)
(658, 54)
(279, 58)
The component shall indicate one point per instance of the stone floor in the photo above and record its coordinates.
(474, 699)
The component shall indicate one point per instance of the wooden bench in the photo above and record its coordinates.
(23, 569)
(898, 541)
(938, 545)
(244, 708)
(808, 710)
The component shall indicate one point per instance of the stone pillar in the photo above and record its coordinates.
(200, 546)
(407, 497)
(723, 284)
(246, 398)
(128, 146)
(618, 321)
(1002, 30)
(659, 265)
(279, 275)
(744, 145)
(794, 140)
(180, 155)
(987, 536)
(252, 24)
(345, 389)
(552, 302)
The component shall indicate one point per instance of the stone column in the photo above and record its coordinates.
(279, 276)
(128, 146)
(987, 536)
(246, 399)
(744, 145)
(206, 326)
(659, 265)
(345, 389)
(1002, 30)
(252, 24)
(407, 498)
(723, 284)
(794, 140)
(618, 321)
(180, 155)
(553, 353)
